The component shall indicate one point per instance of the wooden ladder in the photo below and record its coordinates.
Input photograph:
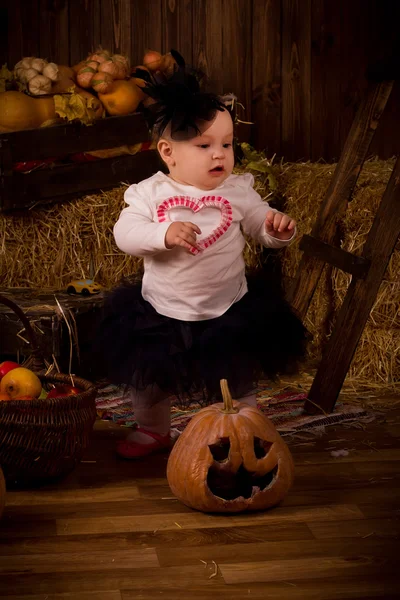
(366, 270)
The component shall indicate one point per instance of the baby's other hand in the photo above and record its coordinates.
(182, 234)
(279, 225)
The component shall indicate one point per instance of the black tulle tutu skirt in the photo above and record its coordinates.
(258, 337)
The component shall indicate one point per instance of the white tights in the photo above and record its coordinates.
(157, 417)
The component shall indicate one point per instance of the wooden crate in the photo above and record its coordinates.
(60, 182)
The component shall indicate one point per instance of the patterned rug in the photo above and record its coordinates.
(285, 408)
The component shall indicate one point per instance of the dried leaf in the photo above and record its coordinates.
(73, 106)
(263, 167)
(250, 153)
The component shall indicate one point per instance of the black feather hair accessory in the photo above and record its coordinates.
(180, 102)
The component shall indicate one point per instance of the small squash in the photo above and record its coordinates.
(123, 97)
(230, 458)
(20, 111)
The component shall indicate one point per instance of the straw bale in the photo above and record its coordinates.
(49, 246)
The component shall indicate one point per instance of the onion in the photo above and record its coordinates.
(116, 69)
(102, 82)
(85, 77)
(99, 56)
(152, 60)
(121, 59)
(94, 64)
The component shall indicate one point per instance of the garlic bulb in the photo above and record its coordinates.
(51, 71)
(20, 74)
(25, 75)
(38, 64)
(25, 63)
(28, 74)
(39, 85)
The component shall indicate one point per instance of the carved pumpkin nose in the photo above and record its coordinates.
(230, 458)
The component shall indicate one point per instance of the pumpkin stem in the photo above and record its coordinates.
(228, 409)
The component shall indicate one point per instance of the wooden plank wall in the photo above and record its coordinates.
(297, 66)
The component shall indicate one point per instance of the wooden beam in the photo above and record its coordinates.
(358, 302)
(355, 265)
(339, 191)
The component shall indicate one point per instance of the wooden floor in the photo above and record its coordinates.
(113, 531)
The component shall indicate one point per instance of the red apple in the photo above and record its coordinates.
(6, 366)
(60, 391)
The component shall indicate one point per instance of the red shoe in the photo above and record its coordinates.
(132, 449)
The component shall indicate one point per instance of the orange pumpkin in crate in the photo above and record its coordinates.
(123, 97)
(230, 458)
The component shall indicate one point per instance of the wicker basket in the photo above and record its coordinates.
(43, 439)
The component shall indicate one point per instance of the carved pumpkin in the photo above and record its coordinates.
(2, 492)
(230, 458)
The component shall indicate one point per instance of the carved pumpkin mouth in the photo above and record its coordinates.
(229, 485)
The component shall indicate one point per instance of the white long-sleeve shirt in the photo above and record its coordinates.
(178, 284)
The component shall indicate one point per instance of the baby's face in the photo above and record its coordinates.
(206, 160)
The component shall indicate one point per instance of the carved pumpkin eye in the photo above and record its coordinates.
(261, 447)
(220, 450)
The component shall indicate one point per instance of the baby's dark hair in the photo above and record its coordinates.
(181, 102)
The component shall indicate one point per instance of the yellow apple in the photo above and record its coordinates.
(21, 382)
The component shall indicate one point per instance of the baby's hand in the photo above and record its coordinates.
(182, 234)
(279, 225)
